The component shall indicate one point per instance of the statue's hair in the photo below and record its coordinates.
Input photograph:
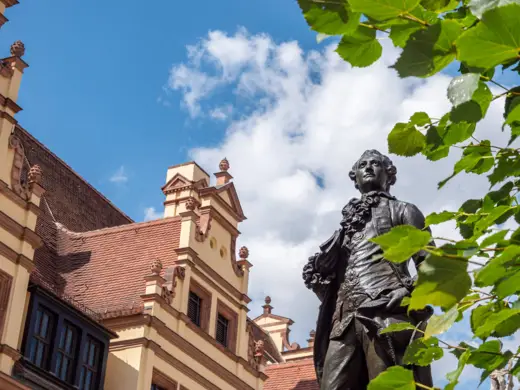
(391, 170)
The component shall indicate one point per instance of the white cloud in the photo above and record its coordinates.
(150, 213)
(221, 113)
(305, 115)
(120, 176)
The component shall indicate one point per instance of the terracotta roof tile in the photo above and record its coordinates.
(298, 375)
(104, 269)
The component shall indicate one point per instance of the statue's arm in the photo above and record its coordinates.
(320, 269)
(413, 216)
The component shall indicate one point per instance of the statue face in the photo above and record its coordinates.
(371, 174)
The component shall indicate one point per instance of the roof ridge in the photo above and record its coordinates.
(289, 364)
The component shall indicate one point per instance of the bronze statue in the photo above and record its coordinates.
(360, 291)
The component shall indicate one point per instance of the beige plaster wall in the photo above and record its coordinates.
(123, 369)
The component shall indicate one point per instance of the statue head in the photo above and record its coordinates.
(373, 172)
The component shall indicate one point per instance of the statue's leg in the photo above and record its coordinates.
(344, 366)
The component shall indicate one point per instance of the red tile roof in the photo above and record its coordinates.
(105, 269)
(299, 375)
(69, 200)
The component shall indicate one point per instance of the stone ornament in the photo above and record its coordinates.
(18, 49)
(243, 253)
(224, 165)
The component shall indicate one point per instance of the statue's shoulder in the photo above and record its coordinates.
(402, 205)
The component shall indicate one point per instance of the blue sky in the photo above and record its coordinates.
(97, 93)
(97, 69)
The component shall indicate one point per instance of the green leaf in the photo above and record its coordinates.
(360, 48)
(397, 327)
(463, 16)
(496, 39)
(437, 218)
(479, 315)
(493, 320)
(429, 51)
(331, 18)
(475, 158)
(394, 378)
(509, 285)
(490, 219)
(458, 132)
(438, 324)
(400, 33)
(493, 238)
(422, 352)
(420, 119)
(479, 7)
(488, 356)
(514, 115)
(453, 376)
(474, 109)
(383, 9)
(495, 269)
(461, 88)
(439, 5)
(402, 242)
(405, 140)
(441, 282)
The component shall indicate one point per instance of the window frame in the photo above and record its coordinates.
(205, 306)
(226, 332)
(162, 381)
(232, 317)
(73, 356)
(65, 314)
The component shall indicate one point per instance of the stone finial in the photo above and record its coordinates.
(191, 204)
(243, 253)
(156, 267)
(35, 175)
(312, 334)
(18, 49)
(224, 165)
(267, 307)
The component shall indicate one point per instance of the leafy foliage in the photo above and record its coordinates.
(478, 276)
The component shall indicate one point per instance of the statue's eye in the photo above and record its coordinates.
(362, 165)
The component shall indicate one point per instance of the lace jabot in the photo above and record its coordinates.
(357, 211)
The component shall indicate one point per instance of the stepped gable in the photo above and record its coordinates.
(299, 375)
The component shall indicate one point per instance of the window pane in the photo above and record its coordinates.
(70, 337)
(59, 359)
(91, 358)
(40, 349)
(45, 325)
(222, 330)
(194, 306)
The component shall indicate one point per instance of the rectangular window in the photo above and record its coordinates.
(222, 330)
(66, 352)
(194, 308)
(41, 339)
(90, 365)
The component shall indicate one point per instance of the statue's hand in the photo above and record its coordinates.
(396, 297)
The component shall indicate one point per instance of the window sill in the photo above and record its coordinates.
(34, 375)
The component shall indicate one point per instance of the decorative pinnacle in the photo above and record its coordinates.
(312, 334)
(268, 300)
(18, 49)
(243, 253)
(35, 174)
(156, 267)
(224, 165)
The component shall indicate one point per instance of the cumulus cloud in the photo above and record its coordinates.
(119, 176)
(150, 213)
(305, 117)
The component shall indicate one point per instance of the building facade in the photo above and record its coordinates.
(90, 299)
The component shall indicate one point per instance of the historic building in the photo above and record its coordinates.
(90, 299)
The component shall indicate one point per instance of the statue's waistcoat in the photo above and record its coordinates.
(368, 276)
